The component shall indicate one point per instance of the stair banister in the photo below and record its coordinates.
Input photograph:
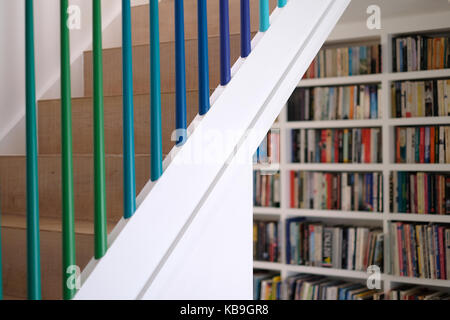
(203, 61)
(68, 209)
(180, 74)
(33, 239)
(155, 94)
(264, 21)
(100, 231)
(225, 67)
(246, 41)
(129, 171)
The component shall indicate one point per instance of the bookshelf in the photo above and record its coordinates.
(348, 36)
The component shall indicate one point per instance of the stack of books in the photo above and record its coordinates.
(269, 150)
(339, 247)
(421, 192)
(334, 103)
(266, 190)
(312, 287)
(337, 191)
(266, 286)
(336, 145)
(430, 98)
(343, 62)
(416, 293)
(420, 250)
(265, 241)
(424, 144)
(417, 53)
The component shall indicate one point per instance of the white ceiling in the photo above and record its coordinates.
(392, 8)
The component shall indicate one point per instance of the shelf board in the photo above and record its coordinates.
(419, 281)
(419, 217)
(266, 167)
(350, 167)
(266, 211)
(368, 123)
(431, 167)
(419, 121)
(327, 271)
(413, 75)
(275, 266)
(332, 81)
(334, 214)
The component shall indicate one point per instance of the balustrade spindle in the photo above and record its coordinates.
(68, 209)
(264, 22)
(33, 239)
(281, 3)
(129, 171)
(203, 63)
(155, 94)
(100, 230)
(225, 67)
(180, 77)
(246, 42)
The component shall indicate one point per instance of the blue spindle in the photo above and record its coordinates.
(180, 74)
(225, 68)
(281, 3)
(264, 22)
(246, 43)
(203, 64)
(129, 175)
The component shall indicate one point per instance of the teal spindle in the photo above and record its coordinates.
(203, 64)
(100, 230)
(281, 3)
(155, 94)
(180, 74)
(264, 22)
(129, 173)
(33, 240)
(68, 207)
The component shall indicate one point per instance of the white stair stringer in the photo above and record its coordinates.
(149, 250)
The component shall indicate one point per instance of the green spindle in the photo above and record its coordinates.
(68, 209)
(33, 240)
(100, 230)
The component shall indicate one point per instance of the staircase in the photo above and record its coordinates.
(260, 116)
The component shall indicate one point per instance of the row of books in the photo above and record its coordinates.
(267, 286)
(312, 287)
(266, 190)
(430, 98)
(424, 144)
(420, 250)
(342, 62)
(415, 293)
(334, 103)
(420, 192)
(336, 191)
(269, 150)
(265, 241)
(336, 145)
(339, 247)
(416, 53)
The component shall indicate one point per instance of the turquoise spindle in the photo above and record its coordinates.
(100, 230)
(264, 22)
(180, 71)
(155, 94)
(129, 173)
(203, 64)
(68, 207)
(33, 241)
(281, 3)
(225, 67)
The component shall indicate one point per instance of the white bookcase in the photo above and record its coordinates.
(347, 36)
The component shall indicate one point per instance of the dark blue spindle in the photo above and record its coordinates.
(180, 73)
(225, 68)
(203, 64)
(246, 42)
